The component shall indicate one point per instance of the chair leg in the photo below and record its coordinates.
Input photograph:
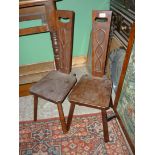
(111, 102)
(62, 117)
(70, 116)
(105, 125)
(35, 107)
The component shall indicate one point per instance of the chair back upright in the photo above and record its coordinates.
(100, 35)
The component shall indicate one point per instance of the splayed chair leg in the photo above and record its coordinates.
(62, 117)
(111, 103)
(35, 107)
(105, 125)
(70, 116)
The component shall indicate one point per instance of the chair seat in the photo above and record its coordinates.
(92, 91)
(54, 86)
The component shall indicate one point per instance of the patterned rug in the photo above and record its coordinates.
(85, 137)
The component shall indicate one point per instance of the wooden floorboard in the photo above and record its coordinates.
(24, 89)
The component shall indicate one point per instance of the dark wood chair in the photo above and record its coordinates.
(56, 85)
(95, 90)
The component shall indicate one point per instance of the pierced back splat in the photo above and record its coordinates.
(100, 35)
(65, 27)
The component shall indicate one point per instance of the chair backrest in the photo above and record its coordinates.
(33, 10)
(52, 21)
(65, 28)
(101, 21)
(45, 11)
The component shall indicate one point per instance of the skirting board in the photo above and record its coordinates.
(29, 74)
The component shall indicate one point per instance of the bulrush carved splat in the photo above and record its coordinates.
(100, 36)
(64, 21)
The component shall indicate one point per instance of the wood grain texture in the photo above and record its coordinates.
(36, 68)
(24, 89)
(105, 125)
(35, 107)
(33, 30)
(100, 38)
(92, 92)
(30, 78)
(62, 118)
(32, 13)
(65, 39)
(54, 86)
(30, 3)
(70, 116)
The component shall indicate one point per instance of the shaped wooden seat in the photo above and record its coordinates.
(92, 92)
(95, 90)
(54, 87)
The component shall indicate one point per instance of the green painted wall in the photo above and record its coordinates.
(37, 48)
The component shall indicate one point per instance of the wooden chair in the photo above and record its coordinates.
(95, 90)
(56, 85)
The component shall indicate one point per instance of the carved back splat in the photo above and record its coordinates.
(65, 27)
(100, 35)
